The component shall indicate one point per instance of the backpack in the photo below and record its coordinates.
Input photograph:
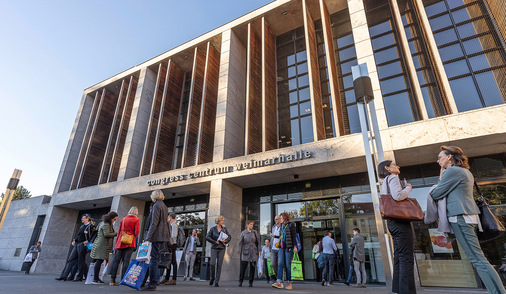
(181, 239)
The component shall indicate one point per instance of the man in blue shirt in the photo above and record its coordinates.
(329, 247)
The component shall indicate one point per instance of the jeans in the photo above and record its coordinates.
(242, 271)
(154, 273)
(285, 262)
(360, 272)
(96, 270)
(190, 262)
(466, 236)
(173, 263)
(404, 268)
(350, 274)
(123, 254)
(217, 256)
(328, 272)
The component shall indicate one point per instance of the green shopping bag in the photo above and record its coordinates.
(296, 268)
(269, 267)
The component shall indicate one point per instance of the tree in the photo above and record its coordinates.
(20, 193)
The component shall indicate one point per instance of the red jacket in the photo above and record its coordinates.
(130, 225)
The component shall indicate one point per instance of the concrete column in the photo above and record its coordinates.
(230, 109)
(363, 47)
(74, 145)
(122, 204)
(56, 236)
(225, 199)
(138, 127)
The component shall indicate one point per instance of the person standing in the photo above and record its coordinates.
(158, 234)
(103, 243)
(220, 244)
(129, 225)
(248, 248)
(456, 184)
(173, 231)
(329, 246)
(287, 249)
(189, 252)
(402, 235)
(34, 250)
(316, 253)
(266, 255)
(275, 236)
(357, 246)
(350, 273)
(85, 235)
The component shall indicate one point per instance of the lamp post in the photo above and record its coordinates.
(372, 142)
(9, 193)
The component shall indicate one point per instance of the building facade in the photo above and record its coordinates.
(259, 116)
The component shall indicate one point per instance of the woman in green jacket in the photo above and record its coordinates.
(102, 245)
(456, 184)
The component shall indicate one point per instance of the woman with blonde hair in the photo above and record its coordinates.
(219, 237)
(456, 184)
(129, 229)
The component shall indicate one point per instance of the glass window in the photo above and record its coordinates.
(398, 109)
(307, 129)
(390, 69)
(380, 28)
(445, 37)
(265, 220)
(467, 97)
(383, 41)
(440, 22)
(295, 133)
(345, 41)
(451, 52)
(456, 68)
(487, 82)
(393, 85)
(385, 55)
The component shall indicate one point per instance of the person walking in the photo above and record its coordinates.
(329, 246)
(158, 234)
(266, 255)
(316, 253)
(85, 235)
(219, 237)
(34, 250)
(402, 235)
(173, 231)
(103, 243)
(357, 247)
(248, 248)
(129, 226)
(190, 252)
(456, 184)
(275, 236)
(287, 249)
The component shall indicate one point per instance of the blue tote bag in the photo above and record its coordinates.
(135, 274)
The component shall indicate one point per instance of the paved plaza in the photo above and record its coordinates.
(18, 282)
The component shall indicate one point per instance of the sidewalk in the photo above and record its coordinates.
(18, 282)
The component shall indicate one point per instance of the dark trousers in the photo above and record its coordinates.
(78, 256)
(244, 265)
(404, 275)
(29, 266)
(266, 271)
(217, 256)
(96, 270)
(328, 272)
(173, 263)
(154, 273)
(123, 254)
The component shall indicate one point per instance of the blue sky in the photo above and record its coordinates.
(52, 50)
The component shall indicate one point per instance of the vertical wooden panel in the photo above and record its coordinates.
(153, 121)
(92, 164)
(169, 117)
(123, 129)
(253, 134)
(269, 91)
(314, 74)
(106, 164)
(193, 118)
(332, 69)
(208, 113)
(86, 140)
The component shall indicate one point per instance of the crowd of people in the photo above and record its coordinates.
(455, 186)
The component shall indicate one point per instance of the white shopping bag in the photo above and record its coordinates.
(260, 267)
(103, 270)
(144, 252)
(91, 273)
(28, 258)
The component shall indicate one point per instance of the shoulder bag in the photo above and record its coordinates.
(404, 210)
(492, 227)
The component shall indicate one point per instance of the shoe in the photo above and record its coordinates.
(60, 279)
(171, 282)
(363, 286)
(112, 284)
(149, 288)
(347, 283)
(250, 284)
(277, 285)
(289, 286)
(77, 280)
(330, 284)
(240, 284)
(216, 285)
(164, 281)
(97, 282)
(211, 282)
(192, 279)
(357, 285)
(323, 282)
(184, 279)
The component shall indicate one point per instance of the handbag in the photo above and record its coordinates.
(28, 257)
(165, 258)
(127, 239)
(144, 252)
(404, 210)
(296, 268)
(135, 274)
(492, 227)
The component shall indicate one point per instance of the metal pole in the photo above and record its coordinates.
(9, 193)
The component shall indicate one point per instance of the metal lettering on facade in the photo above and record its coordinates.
(254, 163)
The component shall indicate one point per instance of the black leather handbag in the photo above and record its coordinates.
(165, 257)
(492, 227)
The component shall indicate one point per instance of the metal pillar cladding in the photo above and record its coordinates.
(372, 142)
(9, 193)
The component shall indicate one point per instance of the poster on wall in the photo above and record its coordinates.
(440, 243)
